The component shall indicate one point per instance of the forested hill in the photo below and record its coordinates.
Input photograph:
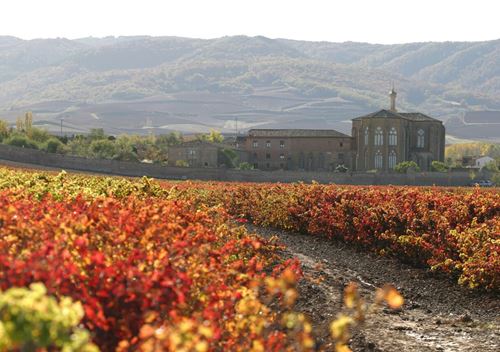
(135, 84)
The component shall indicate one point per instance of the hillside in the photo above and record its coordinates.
(138, 84)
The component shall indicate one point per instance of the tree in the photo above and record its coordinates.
(20, 125)
(102, 149)
(491, 166)
(28, 123)
(39, 135)
(53, 145)
(214, 137)
(230, 157)
(405, 166)
(4, 130)
(124, 149)
(439, 166)
(21, 141)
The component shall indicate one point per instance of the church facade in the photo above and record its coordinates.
(382, 139)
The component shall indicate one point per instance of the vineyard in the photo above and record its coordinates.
(166, 266)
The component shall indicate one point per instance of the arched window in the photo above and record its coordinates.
(420, 138)
(379, 136)
(366, 135)
(379, 160)
(392, 159)
(393, 136)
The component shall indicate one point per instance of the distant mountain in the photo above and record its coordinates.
(139, 84)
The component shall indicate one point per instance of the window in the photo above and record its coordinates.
(366, 135)
(282, 166)
(268, 156)
(341, 144)
(282, 156)
(393, 136)
(341, 156)
(282, 144)
(379, 136)
(268, 166)
(268, 144)
(255, 165)
(420, 138)
(379, 160)
(192, 152)
(255, 144)
(392, 159)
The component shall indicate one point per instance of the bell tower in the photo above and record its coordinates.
(392, 95)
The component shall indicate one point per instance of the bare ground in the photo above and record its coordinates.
(438, 315)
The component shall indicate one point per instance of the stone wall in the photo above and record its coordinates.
(30, 156)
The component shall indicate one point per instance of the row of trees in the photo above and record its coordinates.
(96, 144)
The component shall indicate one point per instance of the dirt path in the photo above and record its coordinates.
(438, 315)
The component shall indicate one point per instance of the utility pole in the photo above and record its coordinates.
(236, 124)
(62, 119)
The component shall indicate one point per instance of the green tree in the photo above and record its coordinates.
(4, 130)
(79, 146)
(491, 166)
(22, 141)
(124, 149)
(53, 145)
(20, 125)
(39, 135)
(405, 166)
(214, 137)
(439, 166)
(102, 149)
(229, 157)
(28, 123)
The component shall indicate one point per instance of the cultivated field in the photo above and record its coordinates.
(197, 266)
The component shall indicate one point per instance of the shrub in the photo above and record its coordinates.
(439, 166)
(21, 141)
(181, 163)
(405, 166)
(102, 149)
(245, 166)
(53, 145)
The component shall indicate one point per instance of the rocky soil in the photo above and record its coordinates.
(438, 315)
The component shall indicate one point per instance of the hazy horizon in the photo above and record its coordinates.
(244, 35)
(381, 22)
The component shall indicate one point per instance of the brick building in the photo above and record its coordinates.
(387, 137)
(297, 149)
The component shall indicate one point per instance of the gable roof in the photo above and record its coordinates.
(294, 133)
(412, 116)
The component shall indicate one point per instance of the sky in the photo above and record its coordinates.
(373, 21)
